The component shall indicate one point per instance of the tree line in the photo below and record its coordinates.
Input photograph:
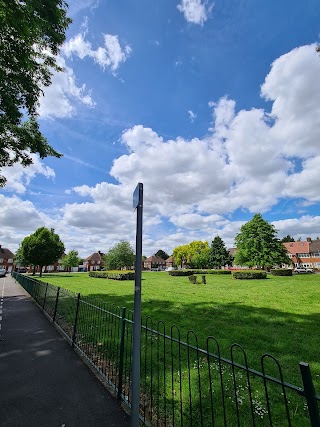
(257, 246)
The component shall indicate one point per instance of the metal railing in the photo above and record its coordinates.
(181, 384)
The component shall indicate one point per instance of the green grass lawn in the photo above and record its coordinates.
(279, 315)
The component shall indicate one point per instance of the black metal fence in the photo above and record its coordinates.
(181, 384)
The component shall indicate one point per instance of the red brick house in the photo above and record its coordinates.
(6, 259)
(154, 262)
(170, 262)
(94, 262)
(299, 253)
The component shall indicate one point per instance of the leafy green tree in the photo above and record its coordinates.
(31, 33)
(219, 255)
(257, 245)
(287, 238)
(19, 259)
(119, 256)
(71, 260)
(42, 248)
(162, 254)
(201, 259)
(192, 254)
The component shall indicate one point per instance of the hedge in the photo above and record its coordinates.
(115, 275)
(281, 272)
(249, 274)
(181, 272)
(190, 272)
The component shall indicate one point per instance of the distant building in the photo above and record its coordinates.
(93, 262)
(154, 262)
(6, 259)
(304, 253)
(170, 262)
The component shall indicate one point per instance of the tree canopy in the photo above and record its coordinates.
(119, 256)
(42, 248)
(162, 254)
(31, 33)
(257, 245)
(71, 260)
(194, 254)
(287, 238)
(218, 254)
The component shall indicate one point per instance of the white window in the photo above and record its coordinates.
(92, 262)
(10, 260)
(307, 264)
(50, 267)
(317, 264)
(303, 255)
(1, 259)
(98, 262)
(316, 254)
(290, 255)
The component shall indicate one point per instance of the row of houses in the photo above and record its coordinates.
(302, 253)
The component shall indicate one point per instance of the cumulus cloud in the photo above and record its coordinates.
(59, 98)
(249, 160)
(111, 55)
(195, 11)
(18, 177)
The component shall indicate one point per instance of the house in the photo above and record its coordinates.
(299, 253)
(304, 253)
(315, 252)
(170, 262)
(6, 259)
(154, 262)
(93, 262)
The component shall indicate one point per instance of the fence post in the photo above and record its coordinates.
(310, 393)
(56, 306)
(76, 321)
(45, 297)
(122, 335)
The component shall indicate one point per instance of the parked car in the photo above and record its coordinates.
(22, 270)
(303, 270)
(3, 272)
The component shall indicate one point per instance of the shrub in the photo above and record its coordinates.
(190, 272)
(249, 274)
(193, 279)
(281, 272)
(115, 275)
(181, 272)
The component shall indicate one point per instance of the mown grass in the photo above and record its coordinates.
(279, 315)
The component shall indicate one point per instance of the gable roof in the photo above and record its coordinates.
(96, 256)
(6, 253)
(155, 259)
(297, 247)
(170, 259)
(315, 246)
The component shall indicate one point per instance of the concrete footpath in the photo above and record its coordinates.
(43, 382)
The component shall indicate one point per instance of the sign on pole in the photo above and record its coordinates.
(135, 402)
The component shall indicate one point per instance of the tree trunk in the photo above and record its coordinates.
(34, 270)
(40, 266)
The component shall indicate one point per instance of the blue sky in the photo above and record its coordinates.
(215, 107)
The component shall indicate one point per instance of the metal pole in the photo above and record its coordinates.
(310, 394)
(135, 403)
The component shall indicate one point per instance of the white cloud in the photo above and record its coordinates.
(18, 177)
(111, 55)
(195, 11)
(192, 116)
(59, 98)
(249, 160)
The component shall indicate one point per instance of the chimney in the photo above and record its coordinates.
(309, 239)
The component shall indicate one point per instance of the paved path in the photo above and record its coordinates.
(43, 382)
